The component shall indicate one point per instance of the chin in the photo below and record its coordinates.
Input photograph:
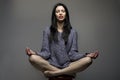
(61, 20)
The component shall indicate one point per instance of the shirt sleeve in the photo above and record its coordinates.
(45, 52)
(73, 53)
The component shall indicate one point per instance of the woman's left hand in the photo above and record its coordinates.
(93, 55)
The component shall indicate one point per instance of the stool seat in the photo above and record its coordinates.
(62, 77)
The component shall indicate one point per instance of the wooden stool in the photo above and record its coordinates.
(62, 77)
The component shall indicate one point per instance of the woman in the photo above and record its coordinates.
(59, 54)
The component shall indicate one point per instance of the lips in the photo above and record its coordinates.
(60, 17)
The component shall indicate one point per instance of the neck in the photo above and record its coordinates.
(60, 25)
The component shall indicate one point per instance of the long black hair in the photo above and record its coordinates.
(66, 27)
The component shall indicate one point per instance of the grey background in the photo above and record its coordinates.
(22, 22)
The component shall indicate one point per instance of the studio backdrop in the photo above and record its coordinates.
(22, 23)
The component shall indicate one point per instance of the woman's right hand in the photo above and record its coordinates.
(29, 52)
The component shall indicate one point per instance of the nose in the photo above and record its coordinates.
(60, 13)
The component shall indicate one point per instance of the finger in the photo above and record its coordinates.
(92, 54)
(96, 51)
(28, 52)
(96, 55)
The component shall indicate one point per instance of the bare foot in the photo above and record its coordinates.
(51, 73)
(29, 52)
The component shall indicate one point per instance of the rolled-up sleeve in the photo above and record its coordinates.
(45, 52)
(73, 53)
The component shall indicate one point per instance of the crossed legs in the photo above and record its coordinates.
(49, 70)
(74, 67)
(41, 63)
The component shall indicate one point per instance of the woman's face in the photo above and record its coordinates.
(60, 13)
